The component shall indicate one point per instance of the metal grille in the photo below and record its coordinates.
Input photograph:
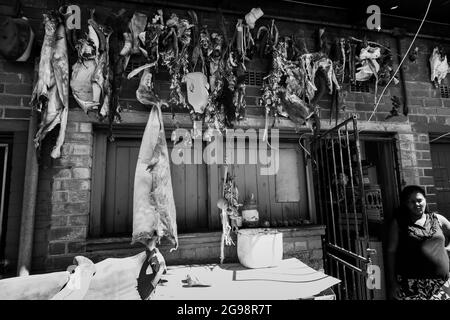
(254, 78)
(3, 168)
(358, 86)
(342, 208)
(444, 91)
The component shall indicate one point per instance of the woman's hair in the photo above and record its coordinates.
(409, 190)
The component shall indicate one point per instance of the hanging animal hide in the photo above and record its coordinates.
(51, 92)
(439, 66)
(369, 64)
(154, 214)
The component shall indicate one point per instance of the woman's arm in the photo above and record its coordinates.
(392, 247)
(445, 225)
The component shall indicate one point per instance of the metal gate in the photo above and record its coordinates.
(338, 179)
(3, 168)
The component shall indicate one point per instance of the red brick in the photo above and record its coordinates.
(68, 233)
(354, 97)
(86, 127)
(364, 106)
(2, 111)
(26, 102)
(81, 173)
(430, 190)
(58, 263)
(72, 185)
(72, 126)
(17, 113)
(433, 102)
(56, 248)
(425, 155)
(426, 181)
(419, 93)
(70, 208)
(62, 174)
(424, 163)
(79, 137)
(20, 89)
(78, 220)
(9, 78)
(60, 196)
(418, 119)
(422, 146)
(76, 247)
(59, 221)
(415, 102)
(19, 67)
(73, 161)
(79, 149)
(78, 196)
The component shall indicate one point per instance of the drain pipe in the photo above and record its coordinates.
(399, 34)
(29, 202)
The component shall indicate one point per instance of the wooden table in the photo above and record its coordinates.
(292, 279)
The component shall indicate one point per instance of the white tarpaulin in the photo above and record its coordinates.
(292, 279)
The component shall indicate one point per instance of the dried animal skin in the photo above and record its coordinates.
(60, 64)
(51, 93)
(46, 78)
(81, 84)
(154, 214)
(145, 93)
(439, 66)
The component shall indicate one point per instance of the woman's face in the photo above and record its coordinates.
(416, 204)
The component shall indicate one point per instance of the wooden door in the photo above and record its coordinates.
(188, 182)
(280, 197)
(440, 156)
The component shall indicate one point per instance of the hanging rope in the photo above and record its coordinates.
(400, 65)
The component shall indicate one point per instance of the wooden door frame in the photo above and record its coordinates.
(100, 143)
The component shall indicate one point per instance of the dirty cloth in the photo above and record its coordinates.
(154, 214)
(197, 90)
(51, 93)
(439, 66)
(292, 279)
(369, 63)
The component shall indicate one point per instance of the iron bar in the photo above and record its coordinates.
(363, 200)
(3, 191)
(337, 190)
(330, 193)
(344, 188)
(349, 265)
(352, 184)
(349, 253)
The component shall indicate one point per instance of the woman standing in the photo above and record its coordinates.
(418, 262)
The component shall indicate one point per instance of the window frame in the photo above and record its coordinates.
(100, 145)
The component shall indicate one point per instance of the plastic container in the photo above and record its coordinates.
(259, 248)
(250, 215)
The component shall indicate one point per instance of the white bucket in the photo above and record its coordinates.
(259, 248)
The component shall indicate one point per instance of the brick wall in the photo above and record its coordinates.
(62, 213)
(64, 192)
(304, 243)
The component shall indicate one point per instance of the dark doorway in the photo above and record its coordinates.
(440, 156)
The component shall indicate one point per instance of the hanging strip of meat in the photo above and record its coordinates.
(51, 93)
(154, 214)
(46, 77)
(60, 64)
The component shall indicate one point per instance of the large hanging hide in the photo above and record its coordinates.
(154, 214)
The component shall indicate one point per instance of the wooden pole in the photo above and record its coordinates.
(29, 201)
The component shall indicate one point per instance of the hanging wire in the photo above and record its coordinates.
(441, 136)
(404, 57)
